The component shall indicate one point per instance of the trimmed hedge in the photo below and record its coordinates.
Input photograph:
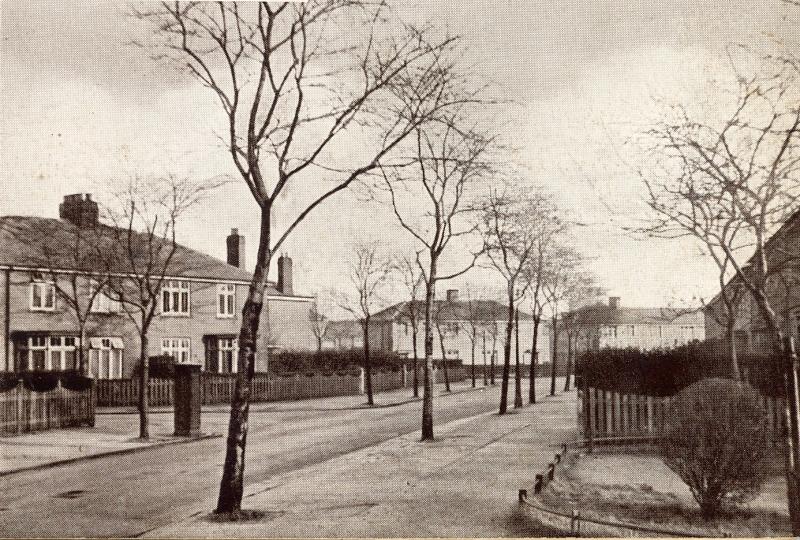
(331, 361)
(664, 372)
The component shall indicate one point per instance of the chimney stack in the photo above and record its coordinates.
(79, 209)
(613, 302)
(452, 295)
(235, 243)
(285, 274)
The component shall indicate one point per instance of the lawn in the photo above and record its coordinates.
(639, 488)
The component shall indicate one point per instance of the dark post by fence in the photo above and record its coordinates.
(187, 400)
(792, 388)
(537, 486)
(587, 410)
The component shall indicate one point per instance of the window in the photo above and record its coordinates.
(47, 353)
(226, 300)
(221, 354)
(451, 328)
(178, 348)
(175, 298)
(43, 295)
(105, 357)
(102, 302)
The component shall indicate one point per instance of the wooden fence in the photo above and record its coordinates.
(218, 388)
(612, 415)
(23, 410)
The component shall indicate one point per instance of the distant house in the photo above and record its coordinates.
(782, 251)
(199, 308)
(391, 330)
(611, 325)
(346, 334)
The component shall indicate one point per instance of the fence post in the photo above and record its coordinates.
(405, 376)
(790, 378)
(588, 413)
(20, 405)
(361, 380)
(537, 486)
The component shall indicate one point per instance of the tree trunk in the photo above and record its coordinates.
(367, 363)
(231, 486)
(444, 361)
(554, 365)
(474, 337)
(534, 359)
(416, 360)
(507, 356)
(144, 383)
(485, 374)
(517, 368)
(569, 361)
(730, 334)
(427, 391)
(82, 348)
(319, 344)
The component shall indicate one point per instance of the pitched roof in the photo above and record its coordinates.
(484, 310)
(607, 315)
(37, 242)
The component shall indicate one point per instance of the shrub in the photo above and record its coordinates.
(714, 439)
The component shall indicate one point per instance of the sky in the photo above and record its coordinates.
(82, 107)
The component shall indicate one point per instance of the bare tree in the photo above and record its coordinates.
(510, 247)
(368, 274)
(744, 171)
(294, 89)
(557, 289)
(319, 321)
(578, 286)
(447, 163)
(472, 320)
(142, 255)
(411, 277)
(547, 229)
(441, 310)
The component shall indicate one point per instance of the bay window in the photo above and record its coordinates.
(47, 353)
(178, 348)
(105, 357)
(221, 354)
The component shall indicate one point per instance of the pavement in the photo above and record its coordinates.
(118, 434)
(323, 449)
(464, 484)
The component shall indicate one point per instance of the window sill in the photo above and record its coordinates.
(45, 310)
(184, 315)
(225, 316)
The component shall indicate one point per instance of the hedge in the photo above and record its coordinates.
(331, 360)
(664, 372)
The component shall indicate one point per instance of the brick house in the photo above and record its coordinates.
(390, 330)
(751, 335)
(601, 325)
(199, 311)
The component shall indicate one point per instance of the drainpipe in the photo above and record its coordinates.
(7, 329)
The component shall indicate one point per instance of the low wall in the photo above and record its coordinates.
(23, 410)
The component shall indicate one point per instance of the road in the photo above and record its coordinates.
(131, 494)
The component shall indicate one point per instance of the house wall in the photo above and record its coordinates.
(285, 322)
(397, 336)
(640, 336)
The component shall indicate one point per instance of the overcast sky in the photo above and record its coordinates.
(80, 106)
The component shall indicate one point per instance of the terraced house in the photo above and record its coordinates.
(199, 304)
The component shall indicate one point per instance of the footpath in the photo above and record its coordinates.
(116, 430)
(462, 485)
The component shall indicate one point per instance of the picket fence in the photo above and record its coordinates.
(613, 415)
(23, 410)
(218, 388)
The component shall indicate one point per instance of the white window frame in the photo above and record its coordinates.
(226, 299)
(55, 349)
(226, 344)
(102, 302)
(42, 289)
(108, 351)
(177, 293)
(180, 348)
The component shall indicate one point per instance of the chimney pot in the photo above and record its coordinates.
(235, 243)
(613, 302)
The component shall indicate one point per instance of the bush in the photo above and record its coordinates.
(714, 439)
(331, 361)
(664, 372)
